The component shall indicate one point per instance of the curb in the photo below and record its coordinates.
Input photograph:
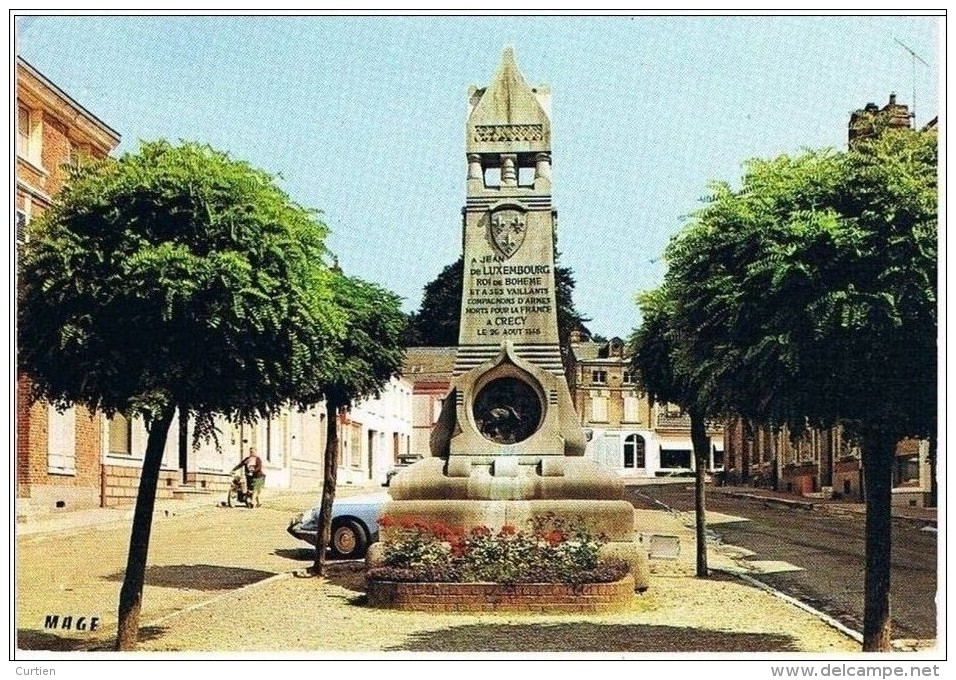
(826, 618)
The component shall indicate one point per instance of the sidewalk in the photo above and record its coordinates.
(93, 518)
(927, 516)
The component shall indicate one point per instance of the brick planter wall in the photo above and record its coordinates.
(498, 597)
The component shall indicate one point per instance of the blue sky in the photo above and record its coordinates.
(364, 118)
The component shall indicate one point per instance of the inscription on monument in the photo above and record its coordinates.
(505, 296)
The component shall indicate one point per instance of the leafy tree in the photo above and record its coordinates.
(174, 277)
(808, 296)
(368, 354)
(654, 347)
(438, 319)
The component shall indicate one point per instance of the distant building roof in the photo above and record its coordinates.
(615, 349)
(429, 363)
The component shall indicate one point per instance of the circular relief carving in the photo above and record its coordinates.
(507, 410)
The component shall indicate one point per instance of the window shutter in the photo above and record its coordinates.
(61, 441)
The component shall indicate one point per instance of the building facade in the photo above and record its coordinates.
(429, 369)
(626, 432)
(58, 452)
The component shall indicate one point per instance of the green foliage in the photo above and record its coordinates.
(369, 352)
(552, 550)
(811, 291)
(175, 276)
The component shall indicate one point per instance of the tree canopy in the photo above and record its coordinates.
(809, 296)
(811, 290)
(175, 276)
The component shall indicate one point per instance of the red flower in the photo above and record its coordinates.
(555, 536)
(508, 530)
(406, 523)
(480, 531)
(386, 521)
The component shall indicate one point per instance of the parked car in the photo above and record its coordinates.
(354, 524)
(404, 461)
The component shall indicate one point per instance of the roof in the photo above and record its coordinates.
(424, 364)
(59, 101)
(599, 351)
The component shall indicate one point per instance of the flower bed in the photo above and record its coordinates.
(553, 598)
(553, 566)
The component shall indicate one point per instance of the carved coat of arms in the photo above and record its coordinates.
(507, 231)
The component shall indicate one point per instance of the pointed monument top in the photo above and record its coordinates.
(509, 112)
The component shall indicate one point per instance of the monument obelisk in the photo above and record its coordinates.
(508, 445)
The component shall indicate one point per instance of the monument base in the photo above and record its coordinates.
(612, 519)
(506, 478)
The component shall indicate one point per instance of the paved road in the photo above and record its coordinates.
(830, 548)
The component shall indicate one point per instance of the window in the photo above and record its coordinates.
(631, 410)
(21, 227)
(29, 134)
(599, 409)
(23, 131)
(628, 378)
(61, 441)
(675, 458)
(120, 435)
(634, 452)
(599, 377)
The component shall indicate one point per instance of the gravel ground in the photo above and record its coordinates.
(323, 616)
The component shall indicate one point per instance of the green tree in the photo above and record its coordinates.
(654, 358)
(369, 353)
(438, 319)
(173, 278)
(808, 296)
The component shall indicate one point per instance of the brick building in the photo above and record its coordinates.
(57, 452)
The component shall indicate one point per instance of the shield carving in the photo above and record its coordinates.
(507, 231)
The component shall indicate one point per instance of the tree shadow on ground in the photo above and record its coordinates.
(297, 554)
(590, 637)
(199, 576)
(47, 641)
(347, 574)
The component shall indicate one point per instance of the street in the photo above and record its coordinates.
(829, 547)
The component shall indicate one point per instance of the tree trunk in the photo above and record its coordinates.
(878, 453)
(774, 459)
(747, 448)
(131, 594)
(933, 488)
(329, 481)
(701, 442)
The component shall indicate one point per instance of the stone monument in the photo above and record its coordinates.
(508, 445)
